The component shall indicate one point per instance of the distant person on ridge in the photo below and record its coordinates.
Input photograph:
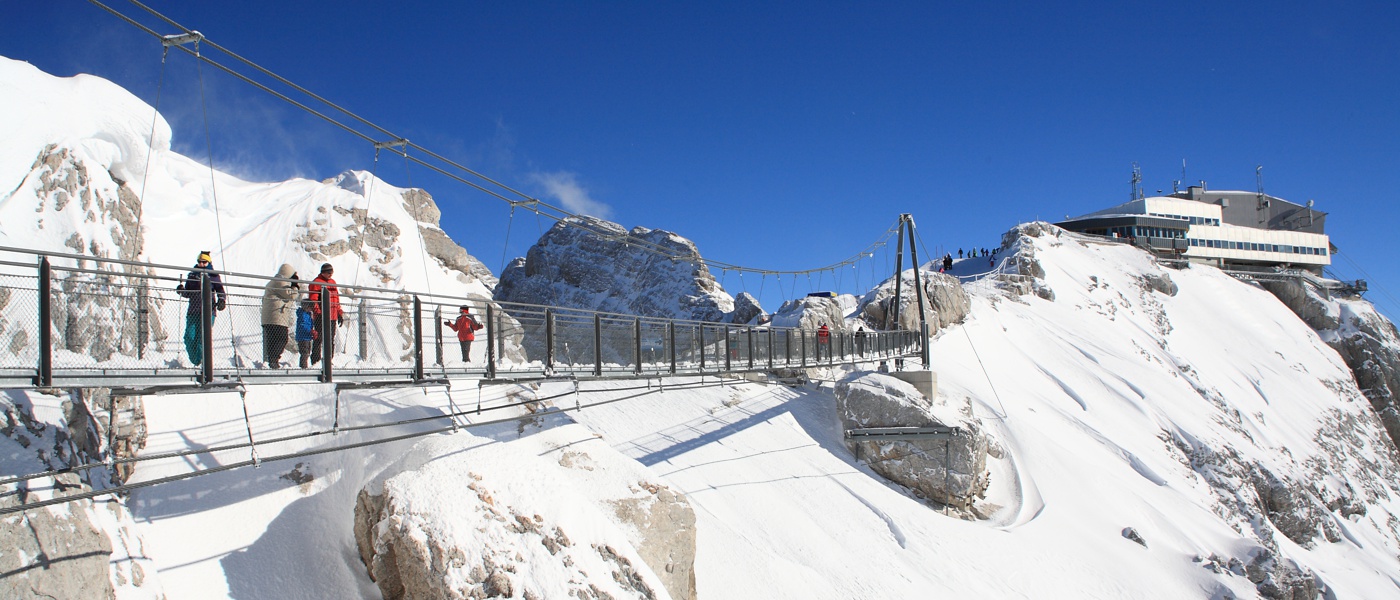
(324, 282)
(279, 306)
(192, 289)
(466, 327)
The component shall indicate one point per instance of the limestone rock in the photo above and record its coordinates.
(952, 472)
(450, 522)
(945, 303)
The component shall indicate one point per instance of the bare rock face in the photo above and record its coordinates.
(53, 553)
(952, 472)
(1368, 343)
(945, 303)
(77, 549)
(453, 523)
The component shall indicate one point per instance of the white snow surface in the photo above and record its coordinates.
(1091, 398)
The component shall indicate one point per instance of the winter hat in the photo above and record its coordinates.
(327, 268)
(204, 257)
(464, 308)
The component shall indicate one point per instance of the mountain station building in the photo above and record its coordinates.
(1247, 229)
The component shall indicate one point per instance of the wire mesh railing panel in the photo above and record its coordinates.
(120, 319)
(19, 322)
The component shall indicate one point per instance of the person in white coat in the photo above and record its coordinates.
(279, 309)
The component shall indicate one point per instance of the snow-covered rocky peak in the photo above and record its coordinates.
(589, 263)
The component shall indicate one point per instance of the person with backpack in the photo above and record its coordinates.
(823, 342)
(334, 318)
(279, 305)
(192, 288)
(466, 327)
(305, 331)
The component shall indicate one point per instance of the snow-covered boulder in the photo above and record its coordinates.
(945, 302)
(810, 312)
(952, 472)
(555, 514)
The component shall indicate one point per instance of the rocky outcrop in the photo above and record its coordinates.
(449, 524)
(592, 264)
(80, 548)
(945, 303)
(1368, 343)
(951, 472)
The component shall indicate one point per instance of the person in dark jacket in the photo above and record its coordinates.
(466, 327)
(325, 324)
(192, 289)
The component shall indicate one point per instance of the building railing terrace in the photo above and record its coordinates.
(71, 320)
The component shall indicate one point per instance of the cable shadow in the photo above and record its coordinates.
(710, 437)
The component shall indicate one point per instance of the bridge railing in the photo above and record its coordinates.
(75, 320)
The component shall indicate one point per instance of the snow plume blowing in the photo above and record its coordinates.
(1124, 430)
(564, 187)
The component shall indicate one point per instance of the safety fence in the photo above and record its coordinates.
(73, 320)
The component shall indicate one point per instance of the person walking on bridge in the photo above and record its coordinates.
(823, 341)
(335, 317)
(279, 306)
(466, 327)
(192, 288)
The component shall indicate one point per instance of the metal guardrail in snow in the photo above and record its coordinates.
(69, 320)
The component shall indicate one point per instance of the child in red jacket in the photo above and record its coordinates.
(466, 327)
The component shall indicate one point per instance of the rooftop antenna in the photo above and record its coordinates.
(1176, 184)
(1260, 202)
(1137, 183)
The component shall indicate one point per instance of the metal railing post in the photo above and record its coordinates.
(701, 329)
(597, 344)
(206, 328)
(751, 347)
(770, 347)
(548, 340)
(802, 343)
(417, 339)
(143, 317)
(671, 333)
(362, 327)
(729, 342)
(44, 378)
(490, 342)
(637, 344)
(437, 335)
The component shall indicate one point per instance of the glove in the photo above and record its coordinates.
(221, 304)
(447, 323)
(340, 322)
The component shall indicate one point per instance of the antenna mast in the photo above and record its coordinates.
(1137, 183)
(1261, 204)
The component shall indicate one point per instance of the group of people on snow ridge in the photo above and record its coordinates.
(288, 314)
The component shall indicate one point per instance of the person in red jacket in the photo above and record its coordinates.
(823, 342)
(323, 282)
(466, 327)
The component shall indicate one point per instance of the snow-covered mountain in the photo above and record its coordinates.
(589, 263)
(82, 166)
(1139, 432)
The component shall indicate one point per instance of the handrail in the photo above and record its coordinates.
(132, 327)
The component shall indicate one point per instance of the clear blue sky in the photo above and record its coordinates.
(790, 135)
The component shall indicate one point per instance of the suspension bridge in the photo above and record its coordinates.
(77, 321)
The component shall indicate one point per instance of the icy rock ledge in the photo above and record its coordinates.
(953, 474)
(556, 514)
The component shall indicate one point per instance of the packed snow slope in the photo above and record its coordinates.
(1212, 422)
(83, 168)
